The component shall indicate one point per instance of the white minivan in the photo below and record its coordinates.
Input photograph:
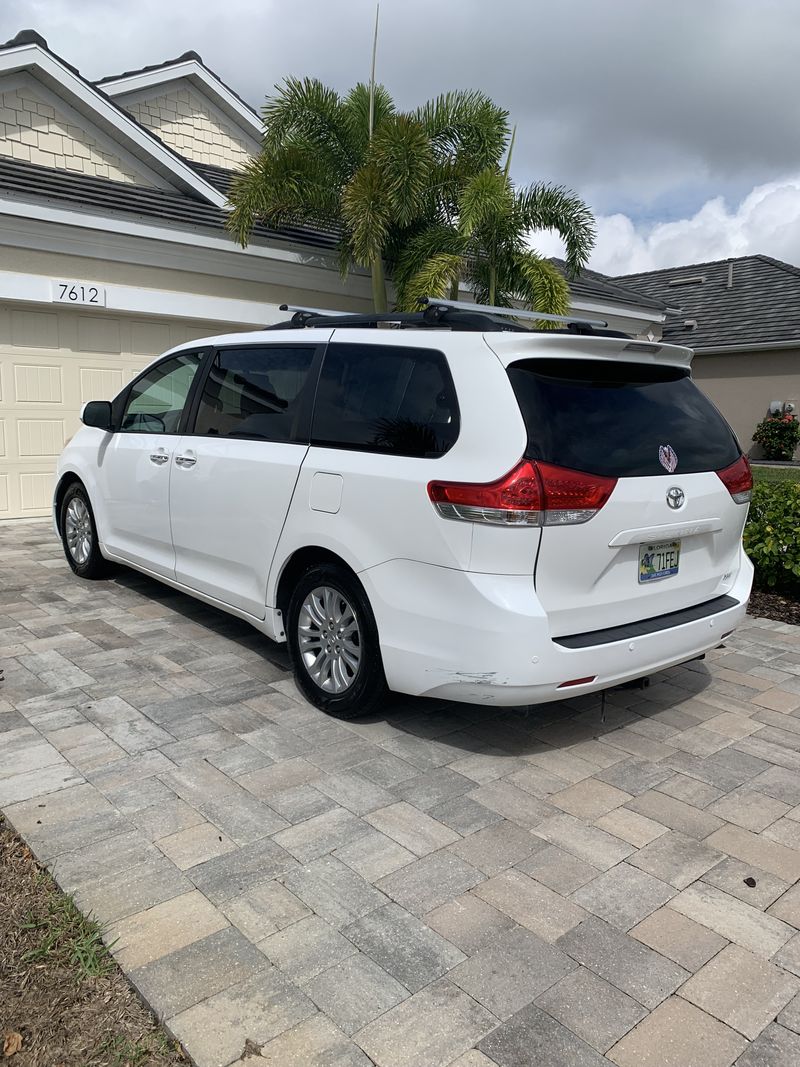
(453, 507)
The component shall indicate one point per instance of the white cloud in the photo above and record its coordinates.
(767, 221)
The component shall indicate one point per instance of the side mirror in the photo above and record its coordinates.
(97, 413)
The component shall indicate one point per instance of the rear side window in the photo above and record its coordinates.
(611, 418)
(254, 392)
(386, 398)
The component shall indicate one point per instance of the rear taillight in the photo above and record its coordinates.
(738, 480)
(532, 494)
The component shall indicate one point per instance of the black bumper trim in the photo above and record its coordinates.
(648, 626)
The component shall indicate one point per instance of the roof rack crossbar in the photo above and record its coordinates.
(514, 313)
(302, 315)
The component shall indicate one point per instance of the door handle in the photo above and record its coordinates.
(186, 460)
(159, 457)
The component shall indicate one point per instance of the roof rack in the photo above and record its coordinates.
(513, 313)
(448, 314)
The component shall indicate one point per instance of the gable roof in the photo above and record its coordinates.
(28, 52)
(190, 67)
(743, 301)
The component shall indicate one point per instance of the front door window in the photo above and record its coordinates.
(155, 402)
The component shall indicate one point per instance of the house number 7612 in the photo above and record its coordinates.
(69, 292)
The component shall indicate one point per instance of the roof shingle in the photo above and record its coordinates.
(761, 306)
(596, 286)
(28, 180)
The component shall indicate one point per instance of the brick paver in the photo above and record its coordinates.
(437, 886)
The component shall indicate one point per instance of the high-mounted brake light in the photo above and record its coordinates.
(738, 480)
(532, 494)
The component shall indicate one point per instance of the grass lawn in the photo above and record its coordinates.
(63, 1000)
(776, 474)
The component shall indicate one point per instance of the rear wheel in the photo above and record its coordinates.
(79, 534)
(333, 641)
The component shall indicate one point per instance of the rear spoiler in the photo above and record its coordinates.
(509, 347)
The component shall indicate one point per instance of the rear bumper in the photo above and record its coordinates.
(485, 639)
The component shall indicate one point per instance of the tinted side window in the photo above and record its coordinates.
(610, 418)
(385, 398)
(254, 392)
(155, 402)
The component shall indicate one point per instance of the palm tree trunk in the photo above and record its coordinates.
(454, 288)
(379, 303)
(492, 284)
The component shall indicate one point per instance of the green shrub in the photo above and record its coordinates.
(772, 535)
(778, 435)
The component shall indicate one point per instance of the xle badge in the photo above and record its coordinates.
(667, 457)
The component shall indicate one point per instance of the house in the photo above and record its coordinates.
(596, 296)
(113, 245)
(742, 318)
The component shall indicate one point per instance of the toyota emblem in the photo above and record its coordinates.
(675, 497)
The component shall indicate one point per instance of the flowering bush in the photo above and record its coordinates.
(771, 535)
(778, 435)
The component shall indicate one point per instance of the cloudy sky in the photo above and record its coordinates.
(678, 121)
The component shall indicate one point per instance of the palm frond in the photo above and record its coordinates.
(304, 109)
(486, 200)
(366, 213)
(290, 185)
(355, 112)
(248, 199)
(344, 258)
(401, 154)
(477, 274)
(468, 123)
(439, 200)
(417, 250)
(434, 279)
(545, 207)
(539, 285)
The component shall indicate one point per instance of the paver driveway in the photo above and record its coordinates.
(438, 885)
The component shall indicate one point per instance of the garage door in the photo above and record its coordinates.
(51, 362)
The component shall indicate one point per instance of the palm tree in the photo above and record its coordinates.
(357, 164)
(485, 244)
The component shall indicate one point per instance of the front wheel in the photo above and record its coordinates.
(79, 534)
(333, 642)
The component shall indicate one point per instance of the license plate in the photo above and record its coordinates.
(658, 560)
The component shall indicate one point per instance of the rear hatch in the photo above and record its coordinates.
(670, 482)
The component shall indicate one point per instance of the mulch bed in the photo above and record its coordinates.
(52, 1014)
(775, 606)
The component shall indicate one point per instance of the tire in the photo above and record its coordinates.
(79, 534)
(339, 670)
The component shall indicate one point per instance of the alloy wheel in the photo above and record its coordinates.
(330, 639)
(78, 530)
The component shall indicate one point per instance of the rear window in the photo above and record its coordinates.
(611, 418)
(386, 398)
